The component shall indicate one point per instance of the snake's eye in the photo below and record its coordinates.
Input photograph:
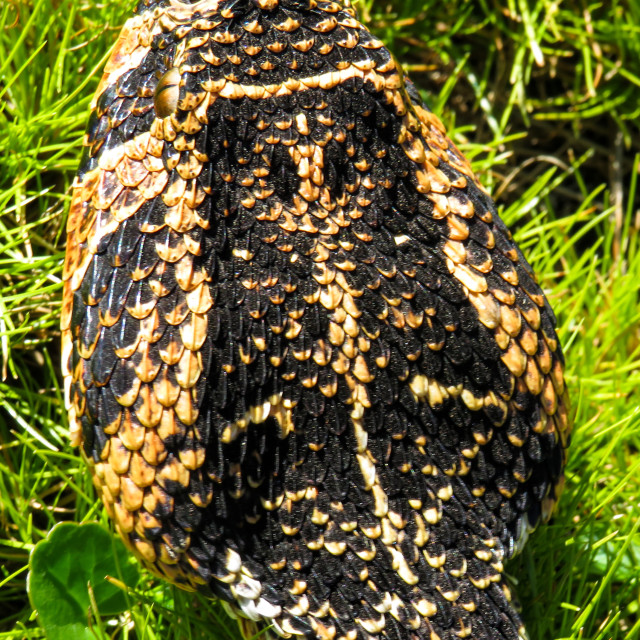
(165, 99)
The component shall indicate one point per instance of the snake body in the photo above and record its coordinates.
(311, 371)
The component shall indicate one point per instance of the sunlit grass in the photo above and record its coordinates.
(544, 97)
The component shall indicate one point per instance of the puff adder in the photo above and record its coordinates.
(310, 370)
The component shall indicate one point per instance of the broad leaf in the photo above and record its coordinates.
(62, 567)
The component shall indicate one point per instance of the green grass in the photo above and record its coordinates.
(544, 97)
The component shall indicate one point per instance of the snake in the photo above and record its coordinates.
(310, 371)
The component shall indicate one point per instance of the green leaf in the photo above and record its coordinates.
(606, 554)
(61, 569)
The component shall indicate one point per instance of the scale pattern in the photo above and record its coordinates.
(310, 369)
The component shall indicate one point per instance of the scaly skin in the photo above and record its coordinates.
(310, 369)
